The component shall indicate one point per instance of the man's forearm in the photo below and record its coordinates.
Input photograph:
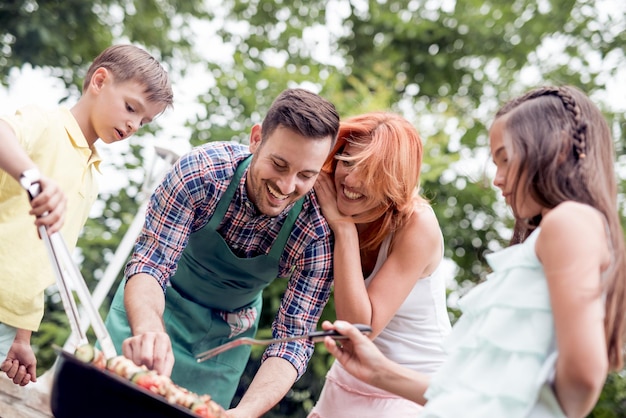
(270, 384)
(144, 302)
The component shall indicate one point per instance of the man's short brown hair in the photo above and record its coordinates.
(304, 112)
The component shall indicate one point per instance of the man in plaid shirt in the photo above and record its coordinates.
(224, 223)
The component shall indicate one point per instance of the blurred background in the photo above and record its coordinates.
(446, 65)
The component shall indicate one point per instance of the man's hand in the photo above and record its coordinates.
(152, 349)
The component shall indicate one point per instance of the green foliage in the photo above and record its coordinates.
(49, 33)
(612, 402)
(65, 36)
(447, 70)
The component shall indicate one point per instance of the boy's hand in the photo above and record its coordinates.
(20, 364)
(49, 206)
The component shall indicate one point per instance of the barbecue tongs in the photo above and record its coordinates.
(68, 275)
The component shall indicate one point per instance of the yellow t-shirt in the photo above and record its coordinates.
(54, 141)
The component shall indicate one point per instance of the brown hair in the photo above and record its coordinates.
(303, 112)
(563, 145)
(389, 162)
(131, 63)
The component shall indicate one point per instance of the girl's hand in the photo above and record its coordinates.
(358, 355)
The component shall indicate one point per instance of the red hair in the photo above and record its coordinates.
(389, 159)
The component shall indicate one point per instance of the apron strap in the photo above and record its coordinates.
(227, 197)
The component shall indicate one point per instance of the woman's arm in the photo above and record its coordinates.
(351, 298)
(415, 252)
(573, 250)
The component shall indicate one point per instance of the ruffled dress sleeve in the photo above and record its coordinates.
(502, 351)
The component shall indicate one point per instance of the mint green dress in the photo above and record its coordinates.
(502, 351)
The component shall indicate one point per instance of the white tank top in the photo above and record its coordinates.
(415, 334)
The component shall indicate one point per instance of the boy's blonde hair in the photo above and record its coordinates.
(131, 63)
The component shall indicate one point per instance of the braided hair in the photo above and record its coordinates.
(579, 126)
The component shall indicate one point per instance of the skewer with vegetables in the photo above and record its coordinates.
(201, 405)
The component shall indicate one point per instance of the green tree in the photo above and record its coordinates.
(64, 36)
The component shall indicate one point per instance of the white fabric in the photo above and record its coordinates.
(415, 334)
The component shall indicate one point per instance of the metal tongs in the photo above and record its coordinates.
(315, 336)
(68, 275)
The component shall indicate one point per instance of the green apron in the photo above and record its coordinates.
(211, 282)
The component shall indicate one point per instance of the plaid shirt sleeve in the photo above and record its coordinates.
(308, 290)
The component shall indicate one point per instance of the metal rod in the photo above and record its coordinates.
(84, 296)
(69, 304)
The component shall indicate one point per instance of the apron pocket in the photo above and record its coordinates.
(240, 321)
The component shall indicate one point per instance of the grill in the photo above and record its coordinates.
(81, 390)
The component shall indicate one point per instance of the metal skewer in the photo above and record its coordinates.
(315, 336)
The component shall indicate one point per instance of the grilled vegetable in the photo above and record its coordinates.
(90, 354)
(201, 405)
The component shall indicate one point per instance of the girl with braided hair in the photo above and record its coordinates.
(539, 336)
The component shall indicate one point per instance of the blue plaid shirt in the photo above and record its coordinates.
(185, 201)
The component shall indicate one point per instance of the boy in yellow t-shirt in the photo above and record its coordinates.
(125, 88)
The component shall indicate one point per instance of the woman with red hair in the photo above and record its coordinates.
(387, 258)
